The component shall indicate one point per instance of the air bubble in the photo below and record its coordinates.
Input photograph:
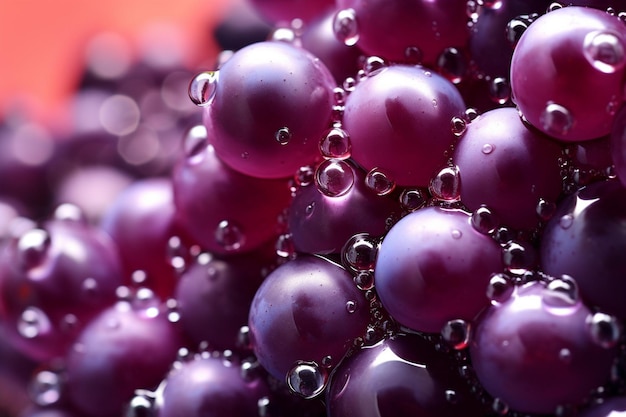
(364, 280)
(565, 355)
(458, 126)
(250, 370)
(487, 148)
(359, 252)
(377, 181)
(140, 405)
(500, 90)
(345, 27)
(334, 178)
(451, 64)
(305, 176)
(499, 406)
(446, 185)
(45, 388)
(545, 209)
(283, 135)
(566, 221)
(499, 288)
(335, 144)
(484, 221)
(285, 247)
(351, 306)
(456, 333)
(413, 55)
(554, 6)
(229, 236)
(283, 34)
(307, 379)
(412, 199)
(605, 51)
(32, 247)
(195, 142)
(518, 258)
(604, 329)
(456, 234)
(556, 120)
(451, 396)
(202, 88)
(517, 26)
(32, 323)
(373, 65)
(561, 292)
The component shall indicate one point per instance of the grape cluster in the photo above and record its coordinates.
(381, 208)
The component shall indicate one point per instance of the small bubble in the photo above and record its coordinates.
(604, 329)
(339, 95)
(451, 396)
(351, 306)
(451, 64)
(554, 6)
(243, 338)
(377, 181)
(229, 236)
(605, 51)
(499, 406)
(32, 323)
(470, 115)
(446, 185)
(345, 27)
(556, 119)
(250, 370)
(283, 34)
(517, 26)
(364, 280)
(456, 333)
(434, 101)
(305, 176)
(412, 199)
(484, 221)
(32, 247)
(545, 209)
(499, 288)
(566, 221)
(561, 292)
(327, 361)
(45, 388)
(335, 144)
(565, 355)
(373, 65)
(69, 212)
(334, 177)
(456, 234)
(195, 141)
(500, 90)
(487, 148)
(283, 135)
(349, 84)
(264, 407)
(140, 406)
(309, 209)
(458, 126)
(518, 258)
(360, 251)
(202, 88)
(285, 247)
(307, 379)
(413, 55)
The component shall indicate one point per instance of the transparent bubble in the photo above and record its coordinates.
(377, 181)
(412, 199)
(307, 379)
(566, 221)
(335, 144)
(451, 396)
(32, 323)
(202, 88)
(285, 247)
(605, 51)
(446, 185)
(283, 34)
(140, 405)
(458, 126)
(305, 176)
(484, 220)
(517, 258)
(499, 288)
(605, 330)
(45, 388)
(364, 280)
(283, 135)
(243, 338)
(517, 26)
(565, 355)
(556, 119)
(561, 292)
(545, 209)
(351, 306)
(359, 252)
(413, 55)
(373, 65)
(451, 64)
(264, 407)
(346, 27)
(250, 370)
(195, 142)
(334, 178)
(554, 6)
(69, 212)
(470, 115)
(500, 90)
(457, 333)
(339, 95)
(32, 247)
(499, 406)
(456, 234)
(349, 84)
(229, 236)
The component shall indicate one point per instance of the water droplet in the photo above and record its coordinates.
(283, 135)
(561, 292)
(327, 362)
(518, 258)
(456, 234)
(285, 247)
(32, 247)
(446, 185)
(556, 120)
(566, 221)
(45, 388)
(413, 55)
(605, 330)
(554, 6)
(243, 338)
(140, 405)
(373, 65)
(32, 323)
(264, 407)
(307, 379)
(487, 148)
(499, 406)
(364, 280)
(229, 236)
(412, 199)
(335, 144)
(451, 64)
(545, 209)
(334, 177)
(451, 396)
(359, 252)
(283, 34)
(605, 51)
(484, 221)
(456, 333)
(434, 101)
(346, 27)
(500, 90)
(565, 355)
(470, 115)
(310, 208)
(250, 370)
(379, 182)
(517, 26)
(305, 176)
(499, 288)
(202, 88)
(195, 142)
(351, 306)
(69, 212)
(458, 126)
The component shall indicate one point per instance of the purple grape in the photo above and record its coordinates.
(272, 103)
(306, 310)
(433, 267)
(537, 350)
(507, 167)
(129, 346)
(210, 387)
(584, 240)
(399, 122)
(567, 72)
(401, 377)
(54, 280)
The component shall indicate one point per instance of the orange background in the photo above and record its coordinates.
(42, 42)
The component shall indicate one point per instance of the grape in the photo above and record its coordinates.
(399, 121)
(536, 350)
(567, 73)
(272, 103)
(433, 267)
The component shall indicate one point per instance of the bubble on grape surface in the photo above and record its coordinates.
(562, 292)
(517, 26)
(32, 247)
(604, 329)
(499, 288)
(377, 181)
(33, 322)
(518, 257)
(545, 209)
(413, 55)
(335, 144)
(458, 125)
(229, 236)
(412, 199)
(346, 27)
(141, 405)
(566, 221)
(364, 280)
(373, 65)
(556, 119)
(307, 379)
(334, 178)
(499, 407)
(45, 388)
(202, 88)
(457, 333)
(69, 212)
(446, 185)
(484, 220)
(359, 252)
(500, 90)
(283, 135)
(605, 51)
(451, 64)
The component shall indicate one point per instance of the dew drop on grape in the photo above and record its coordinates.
(484, 220)
(32, 247)
(605, 51)
(195, 141)
(346, 27)
(377, 181)
(604, 329)
(456, 333)
(307, 379)
(335, 144)
(359, 252)
(202, 88)
(499, 288)
(229, 236)
(412, 199)
(283, 135)
(446, 185)
(33, 322)
(556, 119)
(458, 126)
(334, 178)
